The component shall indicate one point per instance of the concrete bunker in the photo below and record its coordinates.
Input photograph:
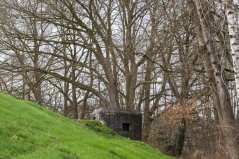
(127, 123)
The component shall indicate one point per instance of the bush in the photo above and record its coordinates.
(98, 127)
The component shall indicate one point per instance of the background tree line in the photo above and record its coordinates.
(176, 61)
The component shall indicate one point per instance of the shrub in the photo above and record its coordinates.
(98, 127)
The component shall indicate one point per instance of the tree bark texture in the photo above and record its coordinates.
(223, 103)
(234, 40)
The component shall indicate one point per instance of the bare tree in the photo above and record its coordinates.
(213, 66)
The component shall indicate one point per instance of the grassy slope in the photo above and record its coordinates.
(28, 131)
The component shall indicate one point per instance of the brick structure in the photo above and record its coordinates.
(124, 122)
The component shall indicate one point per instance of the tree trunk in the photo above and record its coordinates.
(131, 79)
(38, 94)
(84, 105)
(147, 113)
(223, 103)
(180, 138)
(74, 98)
(234, 41)
(66, 91)
(23, 87)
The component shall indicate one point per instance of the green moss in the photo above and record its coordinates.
(98, 127)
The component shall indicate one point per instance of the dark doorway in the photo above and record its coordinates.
(126, 126)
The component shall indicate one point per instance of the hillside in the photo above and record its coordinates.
(28, 131)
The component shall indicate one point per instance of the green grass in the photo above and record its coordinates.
(28, 131)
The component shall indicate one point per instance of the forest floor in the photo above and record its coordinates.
(28, 131)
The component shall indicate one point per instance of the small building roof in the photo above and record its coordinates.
(114, 110)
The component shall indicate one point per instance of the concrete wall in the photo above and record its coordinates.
(127, 124)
